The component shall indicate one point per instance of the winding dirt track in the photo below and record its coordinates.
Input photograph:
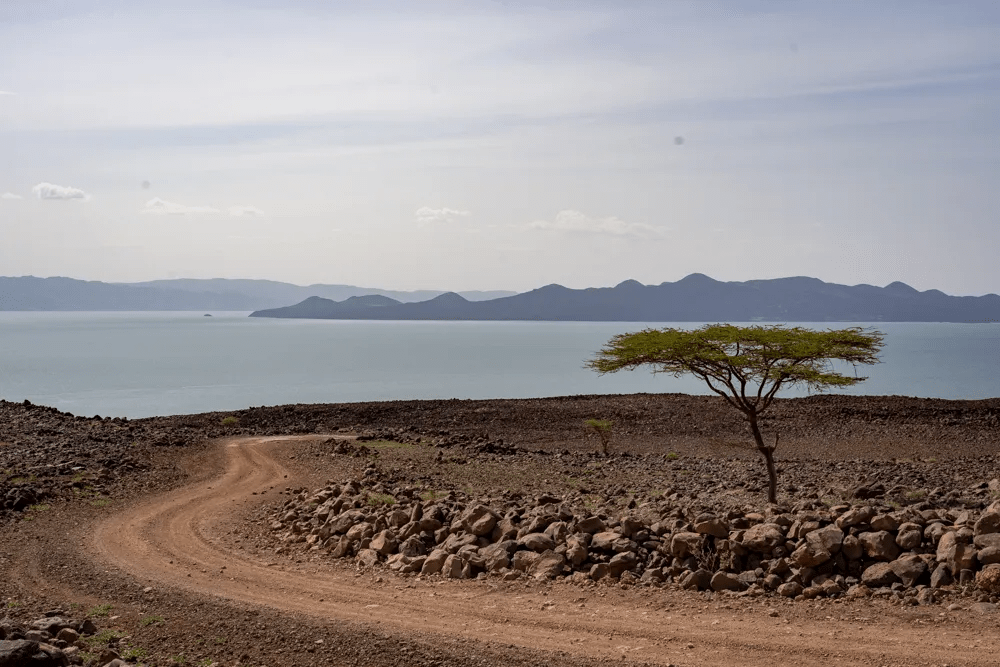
(177, 540)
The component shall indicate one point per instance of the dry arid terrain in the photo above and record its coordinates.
(494, 533)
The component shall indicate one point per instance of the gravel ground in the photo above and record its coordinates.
(59, 473)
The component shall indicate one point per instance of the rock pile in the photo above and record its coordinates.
(54, 640)
(916, 554)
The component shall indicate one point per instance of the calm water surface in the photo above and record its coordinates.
(143, 364)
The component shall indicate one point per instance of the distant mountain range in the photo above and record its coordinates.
(30, 293)
(696, 298)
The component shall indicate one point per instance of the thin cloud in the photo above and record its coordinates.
(6, 92)
(59, 192)
(575, 222)
(425, 215)
(157, 206)
(10, 195)
(240, 211)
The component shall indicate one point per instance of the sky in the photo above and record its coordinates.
(502, 145)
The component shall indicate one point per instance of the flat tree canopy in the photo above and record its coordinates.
(746, 365)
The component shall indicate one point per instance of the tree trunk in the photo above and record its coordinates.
(768, 454)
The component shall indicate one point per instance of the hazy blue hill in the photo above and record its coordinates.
(40, 294)
(695, 298)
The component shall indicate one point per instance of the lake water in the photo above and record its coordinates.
(144, 364)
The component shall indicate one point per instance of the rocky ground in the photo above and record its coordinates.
(898, 489)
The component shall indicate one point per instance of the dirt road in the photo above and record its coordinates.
(179, 540)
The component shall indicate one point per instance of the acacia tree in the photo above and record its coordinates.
(746, 365)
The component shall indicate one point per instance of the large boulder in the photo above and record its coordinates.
(384, 543)
(622, 562)
(909, 569)
(726, 581)
(820, 546)
(879, 545)
(684, 544)
(763, 537)
(987, 540)
(548, 565)
(852, 548)
(576, 551)
(538, 542)
(988, 579)
(434, 562)
(956, 555)
(910, 536)
(699, 580)
(523, 560)
(988, 556)
(711, 525)
(878, 575)
(988, 523)
(478, 520)
(453, 566)
(856, 516)
(591, 524)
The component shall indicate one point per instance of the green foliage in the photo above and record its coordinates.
(99, 610)
(602, 427)
(734, 360)
(673, 456)
(131, 652)
(380, 499)
(746, 366)
(100, 502)
(151, 620)
(230, 421)
(432, 495)
(21, 480)
(103, 638)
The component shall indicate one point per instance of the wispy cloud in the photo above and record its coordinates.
(10, 195)
(6, 92)
(240, 211)
(425, 215)
(570, 221)
(157, 206)
(59, 192)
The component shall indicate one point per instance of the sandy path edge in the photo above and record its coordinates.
(176, 540)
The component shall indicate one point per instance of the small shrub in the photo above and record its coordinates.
(133, 653)
(432, 495)
(230, 421)
(104, 637)
(602, 427)
(100, 502)
(100, 610)
(380, 499)
(673, 456)
(151, 620)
